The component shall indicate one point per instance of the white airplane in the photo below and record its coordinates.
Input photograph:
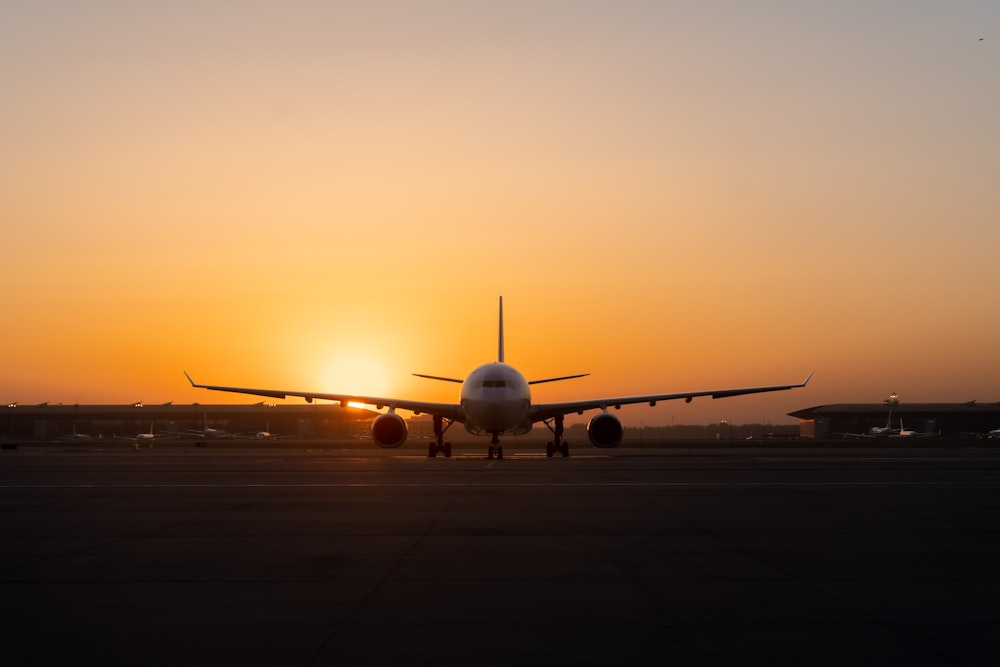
(149, 436)
(260, 435)
(495, 400)
(904, 432)
(910, 433)
(886, 431)
(877, 431)
(75, 435)
(204, 432)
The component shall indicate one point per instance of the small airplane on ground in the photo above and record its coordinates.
(205, 432)
(909, 433)
(148, 436)
(886, 431)
(260, 435)
(495, 400)
(76, 435)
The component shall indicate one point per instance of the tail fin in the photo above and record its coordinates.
(500, 344)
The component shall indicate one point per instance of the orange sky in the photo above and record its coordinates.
(669, 197)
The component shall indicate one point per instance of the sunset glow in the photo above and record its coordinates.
(670, 197)
(356, 374)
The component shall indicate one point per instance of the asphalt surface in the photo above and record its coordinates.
(260, 556)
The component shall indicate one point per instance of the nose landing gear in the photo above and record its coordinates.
(495, 447)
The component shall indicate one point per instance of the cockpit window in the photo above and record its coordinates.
(494, 383)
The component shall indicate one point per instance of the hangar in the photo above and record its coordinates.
(971, 419)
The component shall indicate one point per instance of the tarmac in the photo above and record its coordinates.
(256, 555)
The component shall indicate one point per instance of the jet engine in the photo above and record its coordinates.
(605, 430)
(389, 430)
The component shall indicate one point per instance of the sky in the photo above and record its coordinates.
(670, 196)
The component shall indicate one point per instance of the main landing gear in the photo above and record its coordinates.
(495, 447)
(558, 445)
(439, 445)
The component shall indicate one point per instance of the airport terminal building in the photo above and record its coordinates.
(61, 422)
(971, 420)
(83, 422)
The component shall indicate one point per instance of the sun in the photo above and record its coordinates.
(356, 373)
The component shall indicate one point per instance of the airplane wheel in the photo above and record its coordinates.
(447, 450)
(489, 454)
(548, 449)
(431, 451)
(499, 453)
(565, 449)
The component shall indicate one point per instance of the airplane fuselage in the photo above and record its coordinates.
(496, 399)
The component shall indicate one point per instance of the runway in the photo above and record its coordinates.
(299, 556)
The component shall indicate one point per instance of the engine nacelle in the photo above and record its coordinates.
(605, 430)
(389, 430)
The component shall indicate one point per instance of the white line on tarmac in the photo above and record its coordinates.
(993, 481)
(879, 459)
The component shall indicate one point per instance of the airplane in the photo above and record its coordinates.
(205, 431)
(909, 433)
(76, 435)
(888, 432)
(147, 437)
(495, 400)
(265, 435)
(884, 431)
(903, 432)
(260, 435)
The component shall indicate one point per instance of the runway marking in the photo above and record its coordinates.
(878, 459)
(360, 485)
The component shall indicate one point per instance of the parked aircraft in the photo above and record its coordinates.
(75, 435)
(909, 433)
(495, 400)
(149, 436)
(204, 432)
(880, 431)
(261, 435)
(904, 432)
(886, 431)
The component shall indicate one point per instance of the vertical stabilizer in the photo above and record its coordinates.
(500, 344)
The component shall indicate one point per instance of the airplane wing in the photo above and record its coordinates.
(543, 411)
(450, 411)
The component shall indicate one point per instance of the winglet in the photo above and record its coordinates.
(189, 379)
(806, 381)
(500, 344)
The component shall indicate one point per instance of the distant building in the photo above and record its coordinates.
(57, 422)
(970, 419)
